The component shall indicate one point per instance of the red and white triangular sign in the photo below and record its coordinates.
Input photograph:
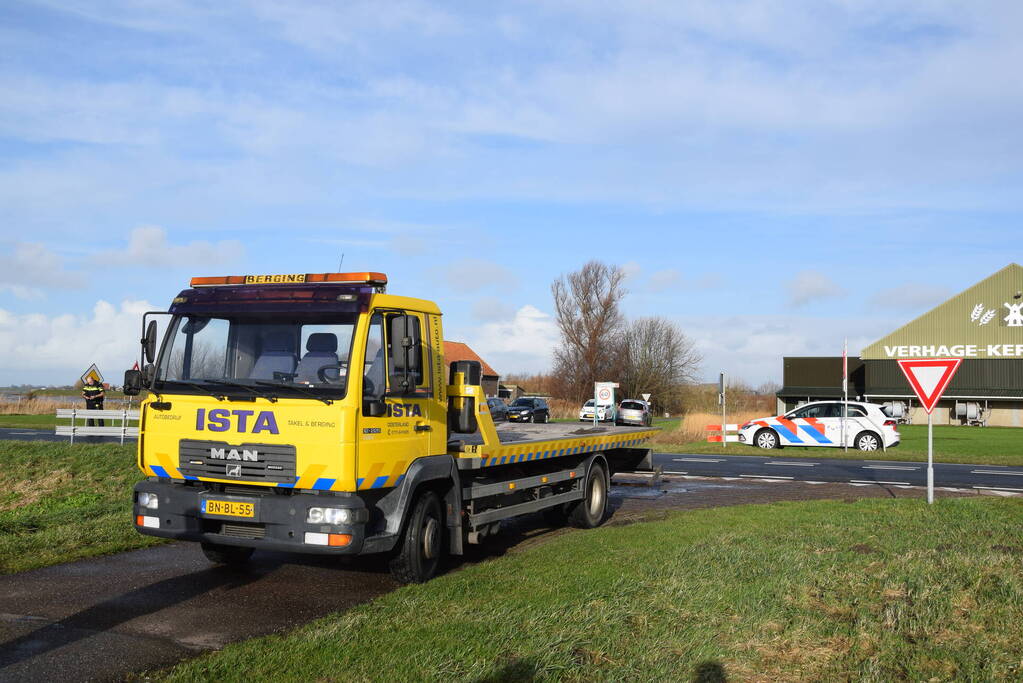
(929, 377)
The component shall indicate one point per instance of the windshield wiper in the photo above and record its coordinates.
(297, 388)
(262, 394)
(200, 387)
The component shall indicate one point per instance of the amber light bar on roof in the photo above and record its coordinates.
(292, 279)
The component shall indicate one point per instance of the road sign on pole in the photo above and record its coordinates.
(603, 395)
(929, 378)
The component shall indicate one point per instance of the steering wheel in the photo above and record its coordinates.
(321, 374)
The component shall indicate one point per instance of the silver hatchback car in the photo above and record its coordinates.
(632, 411)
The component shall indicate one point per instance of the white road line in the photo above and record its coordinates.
(667, 472)
(893, 483)
(996, 488)
(764, 476)
(695, 460)
(21, 433)
(794, 464)
(888, 467)
(1010, 474)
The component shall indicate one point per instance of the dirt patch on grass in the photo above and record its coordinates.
(29, 491)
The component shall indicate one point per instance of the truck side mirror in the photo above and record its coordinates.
(149, 342)
(406, 349)
(132, 382)
(374, 407)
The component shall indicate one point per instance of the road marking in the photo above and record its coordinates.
(22, 433)
(765, 476)
(893, 483)
(794, 464)
(888, 467)
(996, 488)
(668, 472)
(1010, 474)
(695, 460)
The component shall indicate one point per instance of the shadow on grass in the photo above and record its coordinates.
(709, 671)
(514, 670)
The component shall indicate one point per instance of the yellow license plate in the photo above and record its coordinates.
(230, 508)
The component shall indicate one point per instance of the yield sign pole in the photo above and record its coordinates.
(929, 378)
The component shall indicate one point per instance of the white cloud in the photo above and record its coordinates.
(523, 344)
(474, 274)
(812, 285)
(57, 349)
(492, 309)
(149, 246)
(32, 268)
(910, 296)
(664, 279)
(751, 348)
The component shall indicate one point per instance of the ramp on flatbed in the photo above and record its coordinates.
(525, 442)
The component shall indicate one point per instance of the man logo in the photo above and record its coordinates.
(234, 470)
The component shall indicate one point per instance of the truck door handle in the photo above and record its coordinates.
(424, 428)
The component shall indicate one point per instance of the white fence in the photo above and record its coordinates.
(77, 415)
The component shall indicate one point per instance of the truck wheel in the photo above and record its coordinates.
(423, 542)
(226, 554)
(590, 511)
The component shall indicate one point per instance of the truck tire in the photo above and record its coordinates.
(591, 510)
(422, 545)
(226, 554)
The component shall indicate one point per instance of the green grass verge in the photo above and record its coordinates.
(60, 503)
(972, 445)
(873, 590)
(31, 421)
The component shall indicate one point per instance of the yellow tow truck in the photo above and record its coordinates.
(315, 413)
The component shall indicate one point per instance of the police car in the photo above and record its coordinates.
(867, 427)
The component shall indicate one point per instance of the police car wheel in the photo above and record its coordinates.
(766, 438)
(867, 441)
(422, 546)
(226, 554)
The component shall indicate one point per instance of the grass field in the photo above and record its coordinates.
(791, 591)
(60, 503)
(30, 421)
(974, 445)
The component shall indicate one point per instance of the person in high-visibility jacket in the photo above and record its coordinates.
(93, 394)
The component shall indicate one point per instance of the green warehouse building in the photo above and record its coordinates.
(983, 325)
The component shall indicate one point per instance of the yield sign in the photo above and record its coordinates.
(929, 377)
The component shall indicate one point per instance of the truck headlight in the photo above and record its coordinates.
(149, 501)
(329, 516)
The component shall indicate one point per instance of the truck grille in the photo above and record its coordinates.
(241, 530)
(245, 462)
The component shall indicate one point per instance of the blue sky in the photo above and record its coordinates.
(775, 176)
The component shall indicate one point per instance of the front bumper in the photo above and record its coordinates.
(515, 417)
(279, 521)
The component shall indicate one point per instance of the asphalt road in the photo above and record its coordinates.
(888, 472)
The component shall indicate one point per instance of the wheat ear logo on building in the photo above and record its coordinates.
(982, 315)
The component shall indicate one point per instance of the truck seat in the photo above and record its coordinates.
(278, 356)
(321, 350)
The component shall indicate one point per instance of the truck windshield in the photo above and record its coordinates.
(258, 354)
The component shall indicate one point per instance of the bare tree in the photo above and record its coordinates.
(586, 304)
(657, 358)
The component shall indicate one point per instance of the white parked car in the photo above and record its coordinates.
(867, 427)
(632, 411)
(604, 413)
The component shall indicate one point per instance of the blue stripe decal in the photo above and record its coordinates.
(159, 471)
(379, 482)
(820, 438)
(786, 434)
(191, 478)
(323, 484)
(287, 486)
(400, 479)
(358, 483)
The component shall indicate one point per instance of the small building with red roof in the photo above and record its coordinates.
(456, 351)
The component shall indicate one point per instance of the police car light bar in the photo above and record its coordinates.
(375, 279)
